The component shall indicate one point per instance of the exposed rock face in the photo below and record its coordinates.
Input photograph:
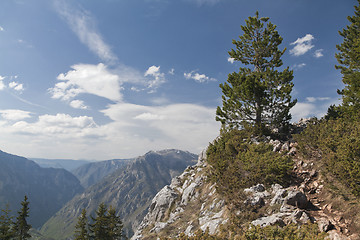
(189, 203)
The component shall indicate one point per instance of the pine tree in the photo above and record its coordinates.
(100, 228)
(81, 228)
(115, 225)
(21, 227)
(259, 95)
(349, 64)
(6, 232)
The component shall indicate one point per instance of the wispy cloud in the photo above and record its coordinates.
(2, 85)
(204, 2)
(298, 66)
(1, 29)
(83, 25)
(201, 78)
(319, 53)
(302, 45)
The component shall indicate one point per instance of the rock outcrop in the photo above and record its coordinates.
(189, 203)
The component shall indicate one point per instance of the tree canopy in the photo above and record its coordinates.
(348, 58)
(259, 94)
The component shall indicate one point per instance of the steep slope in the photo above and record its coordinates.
(48, 189)
(91, 173)
(67, 164)
(191, 203)
(129, 189)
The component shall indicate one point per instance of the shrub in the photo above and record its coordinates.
(338, 144)
(237, 163)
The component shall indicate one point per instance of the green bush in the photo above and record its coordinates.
(308, 231)
(237, 163)
(337, 144)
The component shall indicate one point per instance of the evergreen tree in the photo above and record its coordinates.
(81, 228)
(100, 228)
(6, 232)
(21, 227)
(115, 225)
(259, 95)
(349, 64)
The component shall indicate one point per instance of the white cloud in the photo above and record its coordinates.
(198, 77)
(231, 60)
(172, 71)
(2, 85)
(315, 99)
(1, 29)
(133, 130)
(318, 53)
(312, 107)
(16, 86)
(83, 25)
(149, 116)
(87, 78)
(78, 104)
(298, 66)
(302, 45)
(14, 114)
(159, 77)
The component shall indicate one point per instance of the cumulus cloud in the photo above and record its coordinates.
(15, 114)
(201, 78)
(16, 86)
(83, 25)
(78, 104)
(318, 53)
(231, 60)
(158, 77)
(56, 126)
(302, 45)
(87, 78)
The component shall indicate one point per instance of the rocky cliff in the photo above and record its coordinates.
(191, 203)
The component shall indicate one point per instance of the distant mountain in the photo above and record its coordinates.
(91, 173)
(129, 189)
(48, 189)
(67, 164)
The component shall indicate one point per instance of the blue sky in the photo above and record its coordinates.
(93, 79)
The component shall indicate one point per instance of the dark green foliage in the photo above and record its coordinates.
(348, 58)
(257, 96)
(115, 225)
(106, 225)
(81, 228)
(236, 163)
(6, 232)
(289, 232)
(338, 143)
(21, 227)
